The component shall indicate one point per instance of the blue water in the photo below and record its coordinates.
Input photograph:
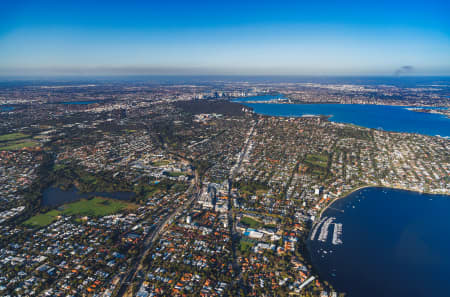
(395, 244)
(386, 117)
(55, 196)
(6, 108)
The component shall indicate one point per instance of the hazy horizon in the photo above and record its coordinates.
(229, 38)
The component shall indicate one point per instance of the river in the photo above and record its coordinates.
(386, 117)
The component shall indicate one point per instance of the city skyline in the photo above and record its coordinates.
(252, 38)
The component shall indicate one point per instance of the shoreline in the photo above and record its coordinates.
(338, 198)
(284, 101)
(371, 186)
(312, 260)
(331, 117)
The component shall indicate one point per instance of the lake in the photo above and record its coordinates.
(6, 108)
(394, 243)
(386, 117)
(55, 196)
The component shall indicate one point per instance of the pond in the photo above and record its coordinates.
(53, 196)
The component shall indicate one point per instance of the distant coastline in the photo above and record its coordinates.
(442, 111)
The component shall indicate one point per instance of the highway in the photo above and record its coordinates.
(124, 285)
(151, 238)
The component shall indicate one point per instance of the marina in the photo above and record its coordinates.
(326, 222)
(316, 227)
(388, 232)
(337, 233)
(324, 231)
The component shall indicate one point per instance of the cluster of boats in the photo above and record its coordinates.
(324, 231)
(323, 234)
(315, 228)
(337, 232)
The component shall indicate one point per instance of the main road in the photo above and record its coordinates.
(124, 288)
(231, 212)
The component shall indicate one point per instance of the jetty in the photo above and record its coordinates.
(337, 232)
(316, 227)
(324, 231)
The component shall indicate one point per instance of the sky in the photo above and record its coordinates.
(262, 37)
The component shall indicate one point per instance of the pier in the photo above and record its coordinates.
(337, 232)
(324, 231)
(316, 227)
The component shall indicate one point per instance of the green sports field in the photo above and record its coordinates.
(95, 207)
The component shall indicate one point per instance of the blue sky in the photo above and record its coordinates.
(224, 37)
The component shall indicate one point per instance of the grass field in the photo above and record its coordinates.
(318, 160)
(130, 130)
(15, 141)
(161, 163)
(245, 246)
(249, 222)
(12, 136)
(175, 174)
(42, 219)
(11, 146)
(94, 207)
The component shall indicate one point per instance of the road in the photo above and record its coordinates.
(124, 286)
(151, 238)
(237, 165)
(231, 212)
